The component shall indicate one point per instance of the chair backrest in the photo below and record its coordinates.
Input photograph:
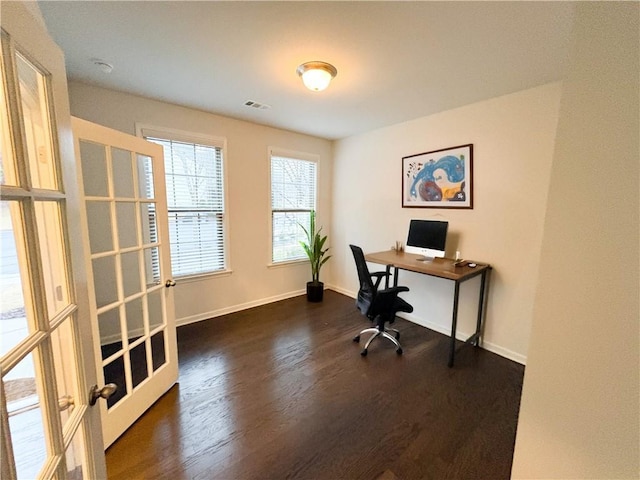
(367, 291)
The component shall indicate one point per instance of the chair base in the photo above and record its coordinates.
(379, 333)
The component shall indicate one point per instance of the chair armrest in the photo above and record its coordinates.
(378, 276)
(393, 290)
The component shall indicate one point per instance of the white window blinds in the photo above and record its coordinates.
(195, 204)
(293, 196)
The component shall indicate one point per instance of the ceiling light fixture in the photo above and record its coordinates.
(316, 76)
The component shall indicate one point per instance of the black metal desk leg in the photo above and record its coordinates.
(452, 346)
(483, 282)
(386, 279)
(395, 276)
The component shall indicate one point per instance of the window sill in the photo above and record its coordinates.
(288, 263)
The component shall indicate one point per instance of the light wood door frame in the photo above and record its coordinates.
(58, 334)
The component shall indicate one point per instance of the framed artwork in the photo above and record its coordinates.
(439, 179)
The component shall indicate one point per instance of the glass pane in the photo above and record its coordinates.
(139, 370)
(154, 299)
(65, 360)
(94, 169)
(287, 235)
(149, 223)
(114, 373)
(145, 177)
(110, 336)
(152, 266)
(26, 422)
(99, 221)
(157, 350)
(75, 456)
(37, 127)
(135, 319)
(53, 255)
(122, 165)
(127, 231)
(7, 165)
(14, 325)
(104, 278)
(130, 273)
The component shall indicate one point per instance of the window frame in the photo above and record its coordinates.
(295, 155)
(171, 134)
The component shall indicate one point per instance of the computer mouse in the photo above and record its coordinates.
(472, 265)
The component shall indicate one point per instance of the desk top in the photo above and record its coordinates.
(438, 267)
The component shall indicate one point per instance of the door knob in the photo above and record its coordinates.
(169, 283)
(105, 392)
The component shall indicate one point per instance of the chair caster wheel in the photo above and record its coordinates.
(356, 338)
(363, 353)
(399, 351)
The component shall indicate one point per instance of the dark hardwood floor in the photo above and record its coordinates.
(281, 391)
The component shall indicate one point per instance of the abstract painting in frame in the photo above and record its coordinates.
(439, 179)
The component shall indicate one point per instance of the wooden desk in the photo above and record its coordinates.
(441, 268)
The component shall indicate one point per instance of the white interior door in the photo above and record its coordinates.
(129, 270)
(48, 428)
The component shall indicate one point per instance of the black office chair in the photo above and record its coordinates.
(380, 306)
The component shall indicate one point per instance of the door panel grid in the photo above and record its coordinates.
(124, 188)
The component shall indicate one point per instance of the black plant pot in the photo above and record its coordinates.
(315, 290)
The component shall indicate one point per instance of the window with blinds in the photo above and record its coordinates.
(293, 196)
(195, 204)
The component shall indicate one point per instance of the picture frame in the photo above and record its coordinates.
(439, 178)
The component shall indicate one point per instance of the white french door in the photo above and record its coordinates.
(129, 270)
(49, 429)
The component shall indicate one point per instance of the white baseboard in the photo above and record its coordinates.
(237, 308)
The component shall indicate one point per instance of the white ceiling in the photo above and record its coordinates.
(396, 61)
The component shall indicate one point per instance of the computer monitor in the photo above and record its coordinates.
(427, 238)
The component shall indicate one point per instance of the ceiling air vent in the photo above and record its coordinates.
(256, 105)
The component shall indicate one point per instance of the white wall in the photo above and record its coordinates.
(252, 281)
(580, 410)
(513, 139)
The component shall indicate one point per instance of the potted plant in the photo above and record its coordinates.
(313, 247)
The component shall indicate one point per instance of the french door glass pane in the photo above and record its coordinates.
(26, 422)
(157, 347)
(122, 173)
(75, 456)
(63, 356)
(130, 265)
(126, 218)
(37, 127)
(152, 266)
(110, 337)
(114, 373)
(145, 177)
(149, 222)
(52, 255)
(14, 325)
(93, 158)
(139, 371)
(135, 319)
(7, 167)
(155, 309)
(99, 221)
(104, 279)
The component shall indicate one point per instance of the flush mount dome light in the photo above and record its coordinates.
(316, 76)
